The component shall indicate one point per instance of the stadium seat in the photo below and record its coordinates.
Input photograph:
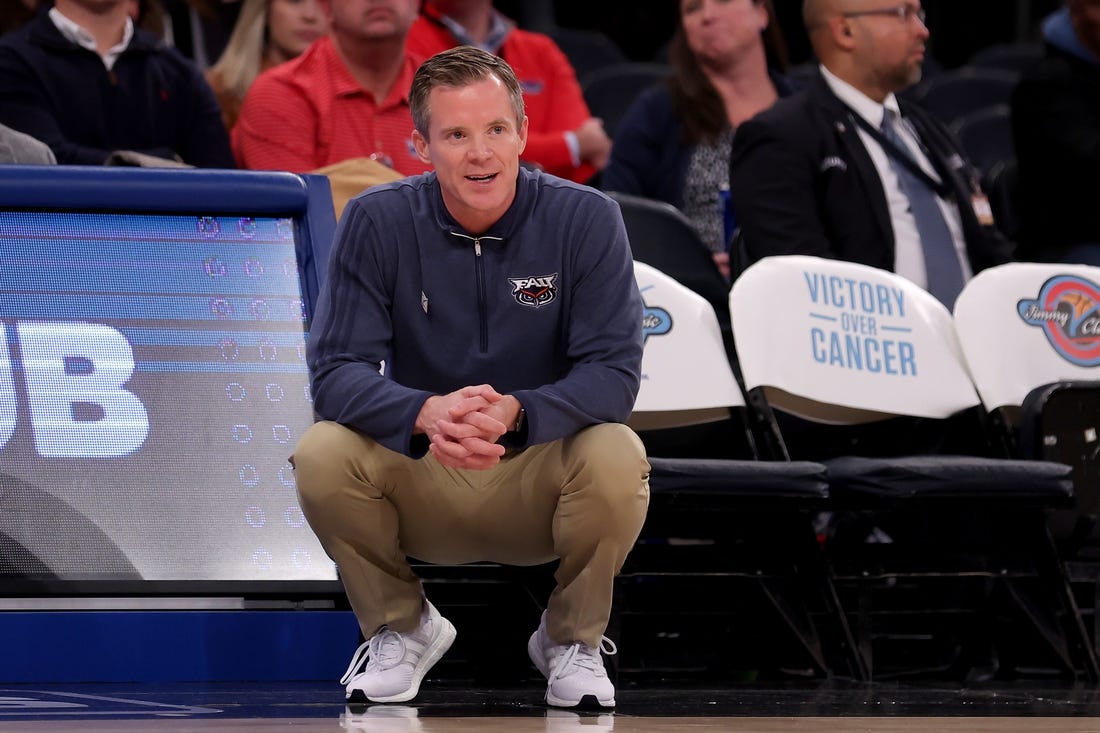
(945, 558)
(952, 94)
(721, 528)
(1040, 319)
(587, 50)
(986, 136)
(662, 237)
(609, 91)
(1015, 56)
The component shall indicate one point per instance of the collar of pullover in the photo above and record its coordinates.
(526, 195)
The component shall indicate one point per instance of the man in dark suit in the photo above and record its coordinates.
(819, 173)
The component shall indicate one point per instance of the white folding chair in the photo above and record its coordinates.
(714, 521)
(1024, 326)
(686, 377)
(838, 343)
(1030, 333)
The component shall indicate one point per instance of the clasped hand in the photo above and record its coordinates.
(464, 426)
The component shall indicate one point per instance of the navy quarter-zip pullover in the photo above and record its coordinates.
(543, 306)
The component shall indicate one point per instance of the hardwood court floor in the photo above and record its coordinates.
(818, 707)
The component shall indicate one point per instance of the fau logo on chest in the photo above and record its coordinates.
(534, 290)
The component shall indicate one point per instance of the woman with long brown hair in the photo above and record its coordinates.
(673, 145)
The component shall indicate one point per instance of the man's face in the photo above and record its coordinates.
(889, 46)
(474, 142)
(1085, 15)
(375, 20)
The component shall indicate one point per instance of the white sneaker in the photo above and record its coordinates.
(574, 672)
(396, 663)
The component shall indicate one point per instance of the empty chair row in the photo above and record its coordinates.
(839, 344)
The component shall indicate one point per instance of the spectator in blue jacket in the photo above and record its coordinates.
(504, 305)
(1056, 124)
(82, 79)
(673, 144)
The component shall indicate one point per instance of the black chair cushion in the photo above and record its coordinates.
(961, 478)
(739, 479)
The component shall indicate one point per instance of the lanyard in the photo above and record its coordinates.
(901, 156)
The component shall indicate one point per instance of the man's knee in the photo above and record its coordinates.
(613, 456)
(325, 451)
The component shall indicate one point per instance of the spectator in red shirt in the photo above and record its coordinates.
(345, 97)
(563, 137)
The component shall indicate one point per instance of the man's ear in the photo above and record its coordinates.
(421, 146)
(523, 134)
(840, 28)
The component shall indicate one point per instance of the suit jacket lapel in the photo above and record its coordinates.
(946, 161)
(938, 155)
(847, 137)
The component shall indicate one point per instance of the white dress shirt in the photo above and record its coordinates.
(78, 35)
(908, 253)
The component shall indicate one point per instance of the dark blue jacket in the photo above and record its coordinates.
(154, 101)
(648, 156)
(1056, 128)
(543, 306)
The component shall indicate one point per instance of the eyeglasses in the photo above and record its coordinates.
(903, 12)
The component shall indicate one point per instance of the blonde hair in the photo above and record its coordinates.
(243, 57)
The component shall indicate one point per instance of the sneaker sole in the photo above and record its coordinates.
(432, 655)
(587, 702)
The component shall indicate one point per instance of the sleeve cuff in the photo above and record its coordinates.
(574, 147)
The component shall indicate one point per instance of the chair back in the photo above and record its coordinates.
(986, 136)
(1023, 325)
(686, 378)
(609, 91)
(1015, 56)
(587, 50)
(961, 91)
(662, 237)
(842, 343)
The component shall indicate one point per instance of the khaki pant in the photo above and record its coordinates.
(581, 499)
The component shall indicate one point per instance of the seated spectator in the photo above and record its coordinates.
(563, 138)
(674, 142)
(82, 79)
(346, 96)
(267, 33)
(843, 169)
(20, 149)
(1056, 122)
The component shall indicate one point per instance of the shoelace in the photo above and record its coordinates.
(582, 655)
(386, 648)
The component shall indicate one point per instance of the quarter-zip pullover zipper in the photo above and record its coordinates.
(482, 298)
